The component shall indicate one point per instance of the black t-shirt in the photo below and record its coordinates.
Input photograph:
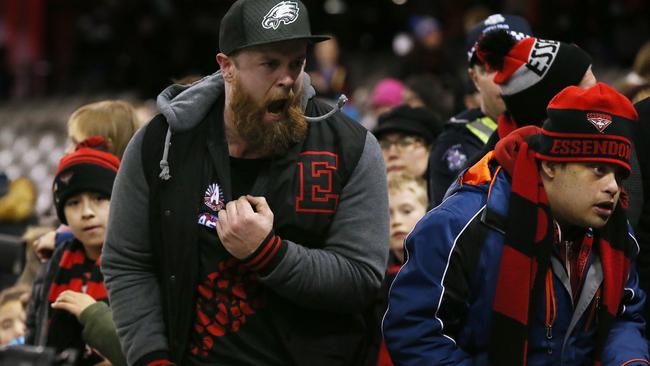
(231, 326)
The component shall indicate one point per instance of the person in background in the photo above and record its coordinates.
(429, 54)
(531, 259)
(12, 314)
(386, 95)
(465, 134)
(641, 138)
(329, 76)
(430, 92)
(405, 135)
(69, 299)
(114, 120)
(638, 78)
(407, 201)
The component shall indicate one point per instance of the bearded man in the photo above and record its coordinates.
(259, 238)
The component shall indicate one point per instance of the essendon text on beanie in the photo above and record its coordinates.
(591, 147)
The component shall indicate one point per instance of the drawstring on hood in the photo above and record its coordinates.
(339, 104)
(185, 106)
(164, 164)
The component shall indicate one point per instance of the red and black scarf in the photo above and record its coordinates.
(526, 256)
(78, 273)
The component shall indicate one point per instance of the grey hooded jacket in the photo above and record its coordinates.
(342, 276)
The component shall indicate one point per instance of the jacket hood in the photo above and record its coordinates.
(184, 106)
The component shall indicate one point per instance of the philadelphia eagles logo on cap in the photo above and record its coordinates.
(599, 120)
(284, 12)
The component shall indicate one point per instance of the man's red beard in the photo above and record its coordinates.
(268, 139)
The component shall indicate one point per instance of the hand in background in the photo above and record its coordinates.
(44, 246)
(73, 302)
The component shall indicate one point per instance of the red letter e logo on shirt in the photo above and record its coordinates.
(317, 170)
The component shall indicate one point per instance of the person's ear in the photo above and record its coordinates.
(227, 65)
(549, 168)
(472, 72)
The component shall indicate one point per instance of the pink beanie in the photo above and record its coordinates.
(388, 92)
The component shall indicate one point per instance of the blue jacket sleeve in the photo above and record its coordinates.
(626, 344)
(413, 328)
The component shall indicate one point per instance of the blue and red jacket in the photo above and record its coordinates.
(440, 303)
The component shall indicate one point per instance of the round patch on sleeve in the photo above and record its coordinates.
(455, 158)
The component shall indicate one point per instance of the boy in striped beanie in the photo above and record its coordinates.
(72, 292)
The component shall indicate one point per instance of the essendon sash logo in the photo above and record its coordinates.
(319, 183)
(596, 148)
(599, 120)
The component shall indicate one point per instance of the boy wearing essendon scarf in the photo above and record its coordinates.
(73, 281)
(530, 260)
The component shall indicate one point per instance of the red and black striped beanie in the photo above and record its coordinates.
(593, 124)
(531, 72)
(89, 169)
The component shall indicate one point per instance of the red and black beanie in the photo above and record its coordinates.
(89, 169)
(531, 71)
(593, 124)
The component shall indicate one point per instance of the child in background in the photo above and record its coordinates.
(114, 120)
(12, 315)
(70, 298)
(407, 202)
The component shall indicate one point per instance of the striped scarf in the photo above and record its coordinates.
(526, 256)
(77, 273)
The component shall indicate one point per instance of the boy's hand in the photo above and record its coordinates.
(44, 246)
(244, 224)
(73, 302)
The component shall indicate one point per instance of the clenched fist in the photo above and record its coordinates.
(243, 224)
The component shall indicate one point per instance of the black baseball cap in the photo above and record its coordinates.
(515, 25)
(256, 22)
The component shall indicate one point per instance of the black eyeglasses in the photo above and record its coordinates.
(402, 143)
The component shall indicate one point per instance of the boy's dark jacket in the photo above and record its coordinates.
(440, 303)
(336, 246)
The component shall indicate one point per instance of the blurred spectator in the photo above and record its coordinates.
(642, 93)
(328, 77)
(641, 138)
(16, 204)
(429, 92)
(405, 135)
(428, 55)
(639, 78)
(466, 133)
(12, 314)
(17, 211)
(386, 95)
(114, 120)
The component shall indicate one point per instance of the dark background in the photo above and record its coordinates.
(61, 47)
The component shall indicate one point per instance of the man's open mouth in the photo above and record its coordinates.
(277, 106)
(605, 205)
